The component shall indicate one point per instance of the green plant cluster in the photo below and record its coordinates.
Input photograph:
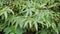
(41, 16)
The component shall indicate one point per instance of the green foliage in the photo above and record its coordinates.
(18, 15)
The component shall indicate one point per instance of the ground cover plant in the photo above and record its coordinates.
(30, 16)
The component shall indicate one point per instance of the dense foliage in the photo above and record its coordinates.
(28, 16)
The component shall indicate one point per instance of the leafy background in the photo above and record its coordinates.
(30, 16)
